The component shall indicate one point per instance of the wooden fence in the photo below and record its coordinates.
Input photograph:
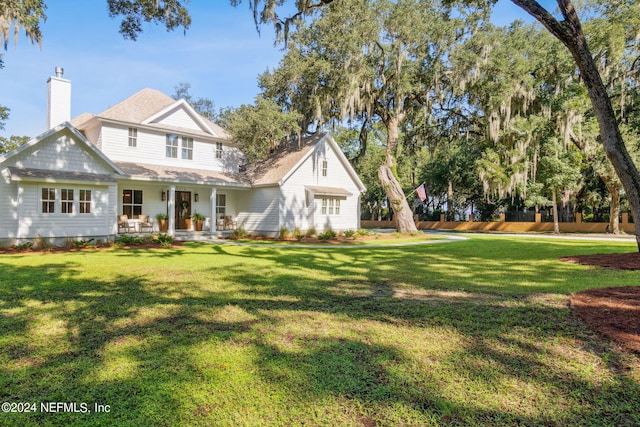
(512, 227)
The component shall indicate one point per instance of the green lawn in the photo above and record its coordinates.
(465, 333)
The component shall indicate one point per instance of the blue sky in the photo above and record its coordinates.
(221, 56)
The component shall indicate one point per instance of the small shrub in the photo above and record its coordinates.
(349, 234)
(311, 232)
(298, 234)
(82, 243)
(284, 233)
(238, 233)
(42, 244)
(327, 235)
(23, 246)
(114, 244)
(362, 232)
(126, 240)
(397, 235)
(165, 240)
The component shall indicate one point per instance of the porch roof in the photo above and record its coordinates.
(328, 191)
(147, 172)
(47, 175)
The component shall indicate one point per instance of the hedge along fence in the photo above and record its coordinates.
(512, 227)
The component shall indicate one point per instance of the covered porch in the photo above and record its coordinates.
(179, 199)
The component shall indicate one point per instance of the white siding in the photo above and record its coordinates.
(151, 149)
(59, 152)
(22, 217)
(33, 223)
(258, 210)
(297, 209)
(9, 203)
(178, 118)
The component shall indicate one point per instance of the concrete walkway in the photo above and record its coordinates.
(566, 236)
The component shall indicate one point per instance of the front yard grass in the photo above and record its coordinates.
(476, 332)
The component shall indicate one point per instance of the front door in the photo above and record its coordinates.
(183, 209)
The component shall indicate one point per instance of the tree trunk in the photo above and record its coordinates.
(570, 33)
(614, 207)
(450, 211)
(390, 184)
(556, 225)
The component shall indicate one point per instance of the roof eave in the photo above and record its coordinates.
(151, 127)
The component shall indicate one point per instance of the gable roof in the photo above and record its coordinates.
(281, 164)
(147, 105)
(138, 106)
(64, 127)
(271, 170)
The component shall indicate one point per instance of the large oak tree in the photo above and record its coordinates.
(364, 62)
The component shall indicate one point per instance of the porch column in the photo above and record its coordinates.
(212, 200)
(171, 207)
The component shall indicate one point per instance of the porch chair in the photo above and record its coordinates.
(229, 223)
(125, 225)
(220, 223)
(145, 223)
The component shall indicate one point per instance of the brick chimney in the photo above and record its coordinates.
(58, 99)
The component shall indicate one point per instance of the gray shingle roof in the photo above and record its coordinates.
(177, 174)
(47, 174)
(270, 171)
(142, 105)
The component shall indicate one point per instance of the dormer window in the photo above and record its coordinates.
(133, 137)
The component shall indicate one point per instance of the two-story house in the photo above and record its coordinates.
(151, 154)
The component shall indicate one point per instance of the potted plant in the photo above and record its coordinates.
(163, 223)
(198, 220)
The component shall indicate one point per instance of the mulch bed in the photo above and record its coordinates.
(59, 249)
(613, 312)
(625, 261)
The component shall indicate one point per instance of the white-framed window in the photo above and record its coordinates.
(48, 199)
(66, 201)
(84, 201)
(330, 206)
(324, 168)
(221, 205)
(218, 150)
(187, 148)
(172, 146)
(132, 203)
(133, 137)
